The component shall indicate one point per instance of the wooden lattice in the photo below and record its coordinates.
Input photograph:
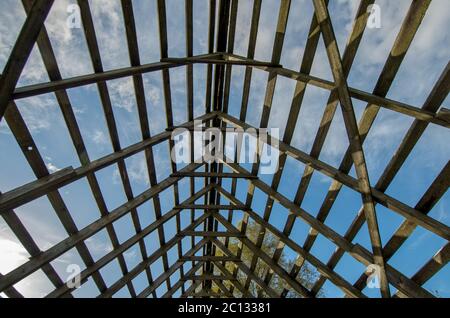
(220, 61)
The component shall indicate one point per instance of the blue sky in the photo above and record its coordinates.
(419, 71)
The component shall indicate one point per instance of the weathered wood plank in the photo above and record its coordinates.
(210, 234)
(179, 283)
(210, 258)
(124, 246)
(28, 192)
(372, 98)
(391, 203)
(21, 51)
(159, 253)
(436, 263)
(261, 254)
(397, 279)
(351, 49)
(244, 268)
(211, 174)
(267, 107)
(196, 60)
(52, 253)
(83, 80)
(322, 268)
(354, 137)
(210, 207)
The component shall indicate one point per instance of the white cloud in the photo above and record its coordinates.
(11, 21)
(68, 43)
(41, 113)
(130, 253)
(99, 137)
(52, 168)
(122, 93)
(153, 94)
(98, 247)
(13, 255)
(137, 170)
(109, 25)
(442, 214)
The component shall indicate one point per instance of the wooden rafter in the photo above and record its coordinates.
(210, 257)
(37, 13)
(355, 250)
(325, 123)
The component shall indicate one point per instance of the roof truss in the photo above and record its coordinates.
(209, 249)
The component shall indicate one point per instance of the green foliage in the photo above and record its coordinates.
(307, 275)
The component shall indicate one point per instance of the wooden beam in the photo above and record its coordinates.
(372, 98)
(217, 105)
(39, 168)
(434, 193)
(210, 207)
(208, 108)
(205, 129)
(322, 268)
(60, 248)
(193, 270)
(230, 49)
(29, 148)
(138, 83)
(211, 38)
(358, 252)
(91, 39)
(245, 292)
(165, 77)
(355, 141)
(12, 119)
(217, 175)
(179, 283)
(210, 258)
(211, 234)
(11, 292)
(416, 130)
(404, 39)
(256, 12)
(227, 79)
(28, 192)
(403, 108)
(349, 55)
(204, 293)
(223, 288)
(283, 16)
(49, 183)
(434, 265)
(17, 227)
(411, 214)
(158, 254)
(195, 60)
(208, 277)
(166, 275)
(191, 289)
(267, 259)
(189, 21)
(63, 290)
(243, 267)
(306, 65)
(83, 80)
(22, 50)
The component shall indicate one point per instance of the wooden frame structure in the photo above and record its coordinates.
(220, 60)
